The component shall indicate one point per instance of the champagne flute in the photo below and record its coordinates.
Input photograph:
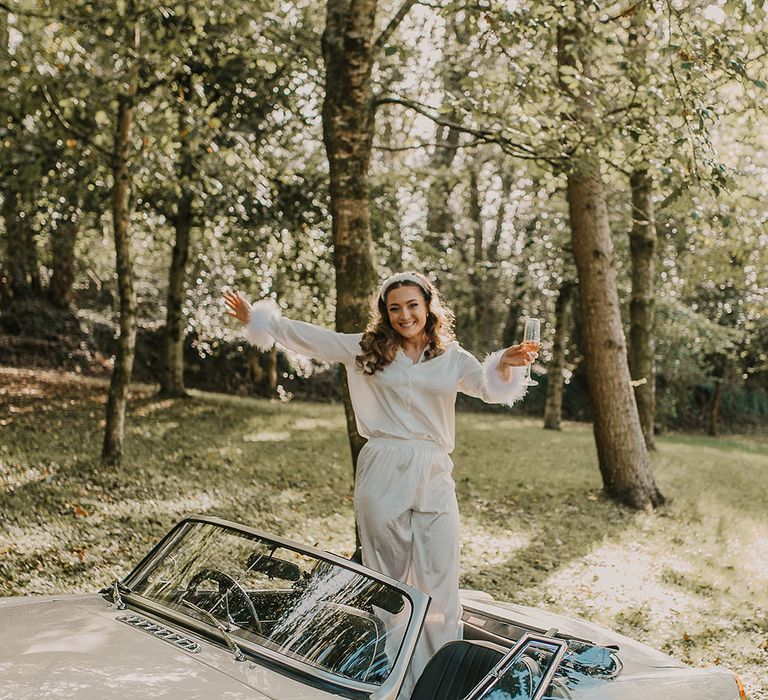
(531, 343)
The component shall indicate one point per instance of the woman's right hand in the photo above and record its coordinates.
(237, 306)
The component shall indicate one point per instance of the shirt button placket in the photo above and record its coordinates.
(409, 392)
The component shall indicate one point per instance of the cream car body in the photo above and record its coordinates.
(306, 625)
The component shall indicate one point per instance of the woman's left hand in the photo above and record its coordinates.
(518, 355)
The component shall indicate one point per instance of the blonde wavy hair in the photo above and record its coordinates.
(380, 341)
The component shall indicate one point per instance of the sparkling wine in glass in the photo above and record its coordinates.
(531, 343)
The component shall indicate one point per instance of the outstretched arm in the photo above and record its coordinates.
(500, 378)
(264, 324)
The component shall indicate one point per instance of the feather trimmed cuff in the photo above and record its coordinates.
(497, 389)
(258, 330)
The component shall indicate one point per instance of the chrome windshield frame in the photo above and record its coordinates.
(418, 601)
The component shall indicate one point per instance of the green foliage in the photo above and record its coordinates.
(228, 110)
(231, 84)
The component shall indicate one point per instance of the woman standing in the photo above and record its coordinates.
(404, 373)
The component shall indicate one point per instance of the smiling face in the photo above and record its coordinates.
(407, 310)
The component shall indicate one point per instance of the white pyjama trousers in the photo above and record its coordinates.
(408, 519)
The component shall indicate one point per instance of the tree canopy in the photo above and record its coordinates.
(473, 139)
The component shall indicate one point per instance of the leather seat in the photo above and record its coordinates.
(456, 669)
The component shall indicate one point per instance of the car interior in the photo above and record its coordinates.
(357, 648)
(347, 627)
(353, 634)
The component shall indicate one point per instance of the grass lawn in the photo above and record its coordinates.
(691, 578)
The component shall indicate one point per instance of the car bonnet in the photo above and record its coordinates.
(73, 646)
(635, 655)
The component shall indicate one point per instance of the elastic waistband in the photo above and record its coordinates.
(404, 442)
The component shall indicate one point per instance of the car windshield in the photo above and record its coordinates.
(290, 602)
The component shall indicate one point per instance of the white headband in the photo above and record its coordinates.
(399, 277)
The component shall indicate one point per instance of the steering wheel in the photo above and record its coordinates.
(227, 586)
(558, 689)
(521, 677)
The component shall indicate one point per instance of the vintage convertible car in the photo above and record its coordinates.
(219, 610)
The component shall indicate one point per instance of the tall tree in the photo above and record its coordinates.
(172, 368)
(63, 240)
(349, 51)
(114, 431)
(623, 457)
(642, 246)
(642, 305)
(21, 242)
(513, 324)
(443, 181)
(20, 166)
(488, 270)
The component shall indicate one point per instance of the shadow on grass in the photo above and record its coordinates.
(542, 486)
(560, 535)
(69, 525)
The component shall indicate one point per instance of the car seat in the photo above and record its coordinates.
(456, 669)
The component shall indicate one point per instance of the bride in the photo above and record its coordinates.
(404, 373)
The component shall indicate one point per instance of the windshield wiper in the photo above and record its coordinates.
(239, 656)
(115, 589)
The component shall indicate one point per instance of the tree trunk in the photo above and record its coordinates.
(714, 406)
(624, 461)
(348, 118)
(5, 292)
(473, 331)
(63, 240)
(269, 377)
(391, 161)
(172, 375)
(642, 306)
(489, 276)
(516, 309)
(642, 246)
(443, 182)
(112, 450)
(439, 215)
(20, 273)
(21, 247)
(263, 370)
(553, 408)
